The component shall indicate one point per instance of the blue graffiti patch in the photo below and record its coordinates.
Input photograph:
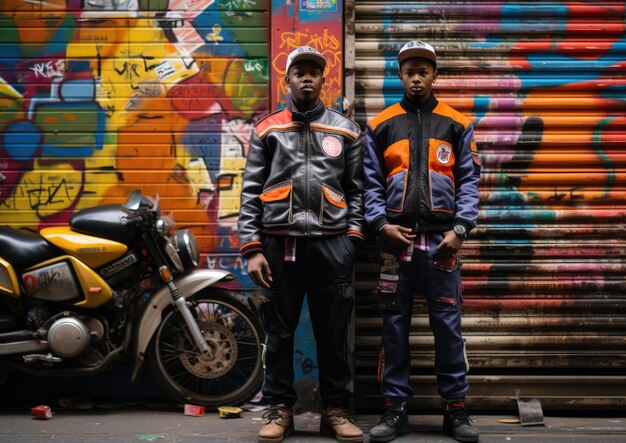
(481, 106)
(21, 140)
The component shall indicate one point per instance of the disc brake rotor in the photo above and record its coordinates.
(223, 345)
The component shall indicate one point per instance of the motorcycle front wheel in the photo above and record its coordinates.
(232, 373)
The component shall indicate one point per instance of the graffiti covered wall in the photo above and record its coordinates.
(315, 23)
(99, 98)
(544, 273)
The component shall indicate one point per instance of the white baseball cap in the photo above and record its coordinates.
(305, 53)
(417, 48)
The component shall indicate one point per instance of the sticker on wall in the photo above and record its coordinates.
(165, 70)
(318, 5)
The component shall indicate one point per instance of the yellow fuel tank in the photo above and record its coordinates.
(93, 251)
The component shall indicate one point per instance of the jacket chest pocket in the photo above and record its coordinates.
(333, 207)
(277, 204)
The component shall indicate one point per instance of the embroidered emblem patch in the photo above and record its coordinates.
(331, 146)
(443, 153)
(335, 196)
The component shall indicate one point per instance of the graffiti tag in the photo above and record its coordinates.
(49, 69)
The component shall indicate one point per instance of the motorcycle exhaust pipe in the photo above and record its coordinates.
(8, 337)
(22, 347)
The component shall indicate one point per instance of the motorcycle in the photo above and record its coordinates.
(120, 279)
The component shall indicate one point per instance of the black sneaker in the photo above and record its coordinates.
(456, 421)
(393, 423)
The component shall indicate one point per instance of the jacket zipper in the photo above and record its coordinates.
(417, 171)
(307, 134)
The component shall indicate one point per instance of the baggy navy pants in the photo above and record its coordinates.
(323, 270)
(442, 289)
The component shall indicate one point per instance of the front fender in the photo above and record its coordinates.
(150, 318)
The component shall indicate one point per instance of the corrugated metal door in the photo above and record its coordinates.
(101, 97)
(544, 281)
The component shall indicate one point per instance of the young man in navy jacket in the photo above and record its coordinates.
(421, 198)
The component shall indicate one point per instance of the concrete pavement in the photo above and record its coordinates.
(109, 409)
(116, 423)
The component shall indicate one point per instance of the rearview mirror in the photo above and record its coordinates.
(133, 201)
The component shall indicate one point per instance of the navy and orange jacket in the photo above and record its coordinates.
(303, 177)
(421, 167)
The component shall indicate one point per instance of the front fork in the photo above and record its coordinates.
(197, 337)
(183, 309)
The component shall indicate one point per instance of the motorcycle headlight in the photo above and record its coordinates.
(187, 247)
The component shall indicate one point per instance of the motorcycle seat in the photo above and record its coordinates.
(20, 247)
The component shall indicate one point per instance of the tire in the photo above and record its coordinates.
(233, 332)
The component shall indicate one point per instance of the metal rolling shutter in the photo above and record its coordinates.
(101, 97)
(544, 281)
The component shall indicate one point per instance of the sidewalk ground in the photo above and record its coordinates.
(140, 423)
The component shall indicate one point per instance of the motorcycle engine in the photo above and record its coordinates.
(69, 336)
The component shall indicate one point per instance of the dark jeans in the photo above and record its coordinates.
(397, 286)
(322, 270)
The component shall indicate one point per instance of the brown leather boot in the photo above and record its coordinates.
(278, 424)
(336, 422)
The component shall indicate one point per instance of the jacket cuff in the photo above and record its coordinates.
(357, 238)
(357, 241)
(251, 248)
(356, 235)
(379, 223)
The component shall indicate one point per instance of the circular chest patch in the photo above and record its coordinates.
(443, 153)
(331, 146)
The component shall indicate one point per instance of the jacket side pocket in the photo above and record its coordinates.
(333, 207)
(396, 191)
(277, 204)
(441, 193)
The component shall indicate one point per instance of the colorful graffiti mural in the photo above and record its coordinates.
(543, 83)
(98, 98)
(316, 23)
(101, 97)
(545, 93)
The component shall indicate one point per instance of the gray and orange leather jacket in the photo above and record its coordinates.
(422, 168)
(303, 177)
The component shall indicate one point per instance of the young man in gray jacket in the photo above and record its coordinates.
(301, 211)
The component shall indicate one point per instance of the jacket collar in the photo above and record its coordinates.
(410, 106)
(311, 115)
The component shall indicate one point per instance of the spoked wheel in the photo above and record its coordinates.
(233, 372)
